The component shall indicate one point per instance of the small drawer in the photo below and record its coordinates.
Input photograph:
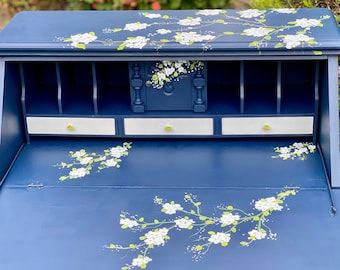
(267, 126)
(70, 126)
(168, 126)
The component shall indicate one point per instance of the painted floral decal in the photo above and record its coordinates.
(295, 151)
(209, 230)
(203, 28)
(83, 163)
(168, 71)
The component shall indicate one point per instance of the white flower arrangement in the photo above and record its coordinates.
(156, 237)
(189, 38)
(307, 23)
(81, 40)
(190, 21)
(168, 71)
(210, 12)
(163, 31)
(83, 163)
(128, 223)
(228, 218)
(184, 223)
(257, 234)
(219, 238)
(152, 15)
(251, 13)
(141, 261)
(135, 26)
(293, 41)
(171, 208)
(295, 151)
(134, 42)
(285, 10)
(190, 218)
(191, 33)
(268, 204)
(257, 31)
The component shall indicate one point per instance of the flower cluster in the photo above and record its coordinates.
(295, 151)
(168, 71)
(83, 162)
(199, 29)
(81, 40)
(223, 226)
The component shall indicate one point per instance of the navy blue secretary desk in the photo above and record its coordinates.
(170, 140)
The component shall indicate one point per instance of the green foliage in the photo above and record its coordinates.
(334, 5)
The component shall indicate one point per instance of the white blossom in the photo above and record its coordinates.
(141, 261)
(228, 218)
(219, 238)
(311, 148)
(257, 234)
(136, 42)
(307, 23)
(163, 31)
(190, 21)
(156, 237)
(268, 204)
(85, 160)
(135, 26)
(257, 31)
(111, 162)
(285, 10)
(77, 173)
(171, 208)
(152, 15)
(188, 38)
(117, 152)
(292, 41)
(184, 223)
(81, 39)
(79, 154)
(209, 12)
(251, 13)
(129, 223)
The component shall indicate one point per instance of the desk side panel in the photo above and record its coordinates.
(329, 119)
(12, 128)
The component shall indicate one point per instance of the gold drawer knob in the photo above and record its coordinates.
(168, 128)
(266, 127)
(70, 127)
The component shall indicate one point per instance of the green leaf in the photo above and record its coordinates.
(233, 230)
(132, 246)
(228, 33)
(121, 47)
(230, 207)
(63, 178)
(254, 44)
(81, 46)
(224, 244)
(267, 37)
(278, 45)
(244, 244)
(219, 21)
(211, 233)
(198, 248)
(164, 40)
(141, 219)
(317, 52)
(166, 17)
(256, 218)
(115, 30)
(202, 218)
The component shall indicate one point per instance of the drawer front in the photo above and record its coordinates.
(168, 126)
(267, 126)
(70, 126)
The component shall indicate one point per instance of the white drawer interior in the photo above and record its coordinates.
(168, 126)
(70, 126)
(267, 126)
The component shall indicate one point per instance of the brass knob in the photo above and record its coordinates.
(70, 127)
(266, 127)
(168, 128)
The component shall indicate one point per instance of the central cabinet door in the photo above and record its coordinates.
(168, 85)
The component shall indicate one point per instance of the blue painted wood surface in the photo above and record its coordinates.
(167, 31)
